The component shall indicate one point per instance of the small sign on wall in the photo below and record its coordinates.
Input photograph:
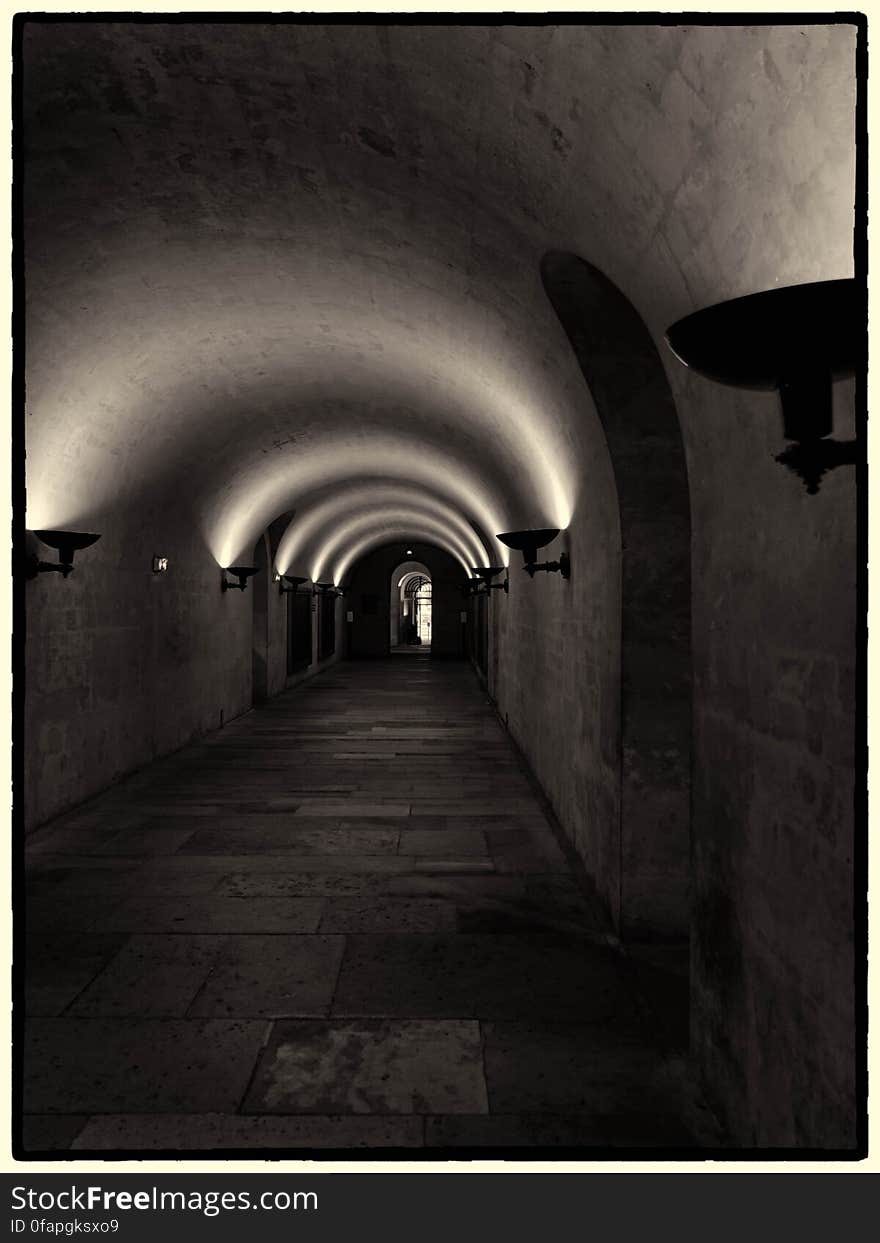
(349, 616)
(462, 617)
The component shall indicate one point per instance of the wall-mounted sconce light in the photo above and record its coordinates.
(796, 339)
(241, 572)
(528, 543)
(295, 581)
(325, 589)
(487, 573)
(66, 544)
(160, 565)
(408, 552)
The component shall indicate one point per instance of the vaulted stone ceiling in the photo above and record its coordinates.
(293, 266)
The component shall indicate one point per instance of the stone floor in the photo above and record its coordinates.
(342, 922)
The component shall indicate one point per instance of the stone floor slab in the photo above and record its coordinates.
(499, 1131)
(145, 841)
(569, 1068)
(50, 1132)
(203, 1132)
(482, 976)
(526, 850)
(357, 864)
(371, 1067)
(66, 914)
(57, 970)
(289, 840)
(271, 976)
(82, 1065)
(445, 843)
(401, 916)
(85, 883)
(215, 914)
(301, 884)
(152, 975)
(345, 808)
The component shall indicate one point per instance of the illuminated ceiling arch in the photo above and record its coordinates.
(262, 257)
(243, 404)
(327, 455)
(367, 542)
(399, 523)
(319, 520)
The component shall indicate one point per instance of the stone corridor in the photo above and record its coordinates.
(343, 921)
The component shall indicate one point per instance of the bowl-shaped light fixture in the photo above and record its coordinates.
(528, 543)
(241, 572)
(294, 581)
(66, 544)
(325, 589)
(795, 339)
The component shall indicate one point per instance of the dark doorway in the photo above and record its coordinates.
(299, 631)
(326, 626)
(479, 635)
(260, 644)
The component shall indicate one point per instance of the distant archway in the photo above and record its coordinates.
(374, 595)
(415, 608)
(628, 383)
(400, 575)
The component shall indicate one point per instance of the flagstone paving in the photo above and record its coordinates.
(342, 922)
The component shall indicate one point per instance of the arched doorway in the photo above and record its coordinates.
(412, 616)
(628, 384)
(401, 574)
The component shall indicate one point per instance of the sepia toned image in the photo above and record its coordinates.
(440, 730)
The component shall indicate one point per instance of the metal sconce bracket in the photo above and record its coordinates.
(528, 543)
(241, 572)
(486, 573)
(810, 460)
(66, 544)
(562, 566)
(34, 566)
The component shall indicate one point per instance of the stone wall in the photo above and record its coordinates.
(555, 678)
(775, 632)
(123, 665)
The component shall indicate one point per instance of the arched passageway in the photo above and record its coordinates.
(286, 306)
(628, 384)
(378, 609)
